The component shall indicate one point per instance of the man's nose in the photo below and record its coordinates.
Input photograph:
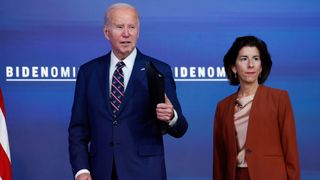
(125, 32)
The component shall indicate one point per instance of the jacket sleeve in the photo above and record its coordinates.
(217, 147)
(181, 126)
(288, 137)
(79, 135)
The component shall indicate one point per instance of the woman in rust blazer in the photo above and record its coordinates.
(254, 130)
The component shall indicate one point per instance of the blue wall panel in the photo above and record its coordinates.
(56, 33)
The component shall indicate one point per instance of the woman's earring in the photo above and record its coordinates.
(235, 75)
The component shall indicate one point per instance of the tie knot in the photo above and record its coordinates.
(120, 64)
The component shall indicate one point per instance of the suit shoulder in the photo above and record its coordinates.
(227, 100)
(156, 62)
(93, 63)
(272, 91)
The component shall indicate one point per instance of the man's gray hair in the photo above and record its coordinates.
(115, 6)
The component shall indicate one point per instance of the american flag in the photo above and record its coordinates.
(5, 159)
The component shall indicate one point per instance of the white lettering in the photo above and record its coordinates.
(17, 71)
(25, 72)
(176, 71)
(210, 72)
(221, 72)
(201, 72)
(74, 71)
(192, 72)
(9, 71)
(44, 71)
(34, 71)
(54, 72)
(183, 72)
(65, 71)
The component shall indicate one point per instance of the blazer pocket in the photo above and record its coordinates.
(274, 167)
(151, 150)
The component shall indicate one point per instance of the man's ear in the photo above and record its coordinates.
(106, 32)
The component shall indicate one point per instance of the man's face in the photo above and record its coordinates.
(122, 31)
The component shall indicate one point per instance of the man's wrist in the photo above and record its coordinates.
(81, 171)
(173, 121)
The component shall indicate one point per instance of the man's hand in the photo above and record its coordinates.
(84, 176)
(165, 110)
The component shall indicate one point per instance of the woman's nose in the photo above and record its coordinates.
(250, 63)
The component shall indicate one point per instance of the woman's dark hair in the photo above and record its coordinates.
(229, 59)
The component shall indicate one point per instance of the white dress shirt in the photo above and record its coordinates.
(127, 69)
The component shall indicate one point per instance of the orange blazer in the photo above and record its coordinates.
(271, 147)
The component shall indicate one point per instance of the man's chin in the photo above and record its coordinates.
(127, 51)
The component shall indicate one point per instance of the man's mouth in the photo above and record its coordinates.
(125, 42)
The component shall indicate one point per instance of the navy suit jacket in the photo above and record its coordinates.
(133, 140)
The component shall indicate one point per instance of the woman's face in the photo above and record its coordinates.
(248, 65)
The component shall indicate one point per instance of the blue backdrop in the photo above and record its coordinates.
(43, 42)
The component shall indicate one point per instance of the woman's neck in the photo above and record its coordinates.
(247, 90)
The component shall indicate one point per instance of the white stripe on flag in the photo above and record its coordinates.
(4, 135)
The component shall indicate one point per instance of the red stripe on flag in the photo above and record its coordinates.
(5, 165)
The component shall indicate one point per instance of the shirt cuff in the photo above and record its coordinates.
(81, 171)
(173, 121)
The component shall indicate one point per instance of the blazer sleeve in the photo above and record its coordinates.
(217, 147)
(79, 135)
(181, 126)
(288, 137)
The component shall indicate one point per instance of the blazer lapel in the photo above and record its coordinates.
(230, 124)
(253, 116)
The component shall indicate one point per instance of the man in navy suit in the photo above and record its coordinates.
(114, 133)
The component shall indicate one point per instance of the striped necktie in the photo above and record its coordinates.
(117, 88)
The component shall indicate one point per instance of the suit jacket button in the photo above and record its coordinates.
(111, 144)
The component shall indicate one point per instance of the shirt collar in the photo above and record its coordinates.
(129, 61)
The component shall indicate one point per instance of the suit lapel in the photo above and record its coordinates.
(105, 82)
